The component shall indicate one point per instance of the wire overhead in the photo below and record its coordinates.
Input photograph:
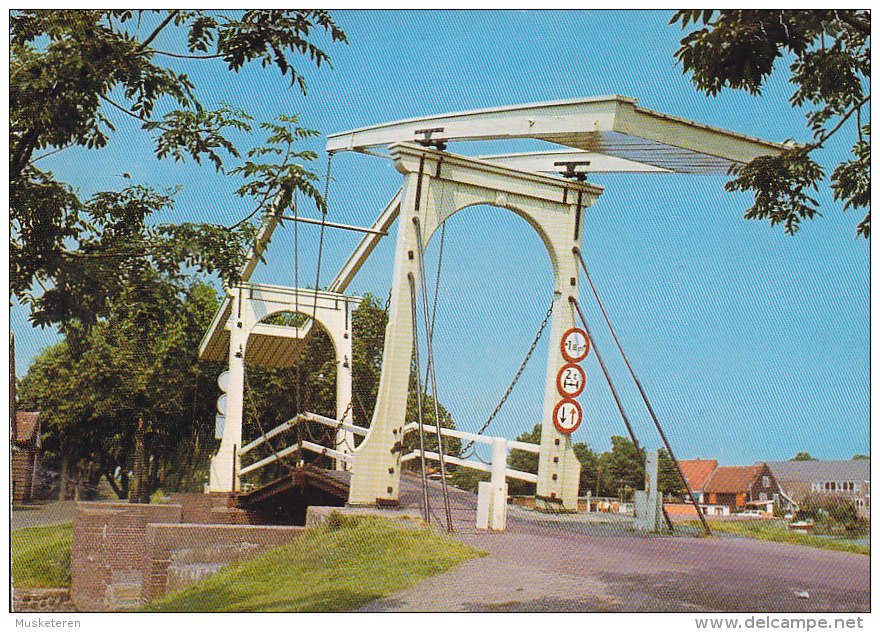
(577, 253)
(433, 372)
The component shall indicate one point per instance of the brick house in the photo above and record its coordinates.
(847, 479)
(25, 455)
(738, 486)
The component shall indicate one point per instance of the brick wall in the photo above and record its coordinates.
(22, 469)
(126, 554)
(107, 552)
(179, 555)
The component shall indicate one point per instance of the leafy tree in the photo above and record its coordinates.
(669, 481)
(830, 68)
(523, 461)
(837, 510)
(861, 457)
(625, 463)
(803, 456)
(72, 258)
(368, 329)
(129, 395)
(528, 462)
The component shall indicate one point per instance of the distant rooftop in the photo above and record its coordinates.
(697, 472)
(821, 470)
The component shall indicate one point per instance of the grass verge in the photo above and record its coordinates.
(333, 568)
(777, 531)
(41, 556)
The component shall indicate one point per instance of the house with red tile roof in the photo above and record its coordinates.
(697, 473)
(737, 487)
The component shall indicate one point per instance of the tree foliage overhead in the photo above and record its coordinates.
(70, 257)
(830, 67)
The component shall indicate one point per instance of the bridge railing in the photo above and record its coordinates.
(306, 445)
(498, 467)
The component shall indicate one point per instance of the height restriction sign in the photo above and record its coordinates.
(567, 416)
(575, 345)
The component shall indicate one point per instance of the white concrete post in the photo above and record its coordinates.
(498, 505)
(558, 468)
(225, 465)
(648, 505)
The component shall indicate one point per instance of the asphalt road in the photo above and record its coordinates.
(42, 514)
(575, 564)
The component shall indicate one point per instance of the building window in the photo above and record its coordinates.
(766, 481)
(762, 496)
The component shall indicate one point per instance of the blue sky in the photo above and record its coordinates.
(750, 343)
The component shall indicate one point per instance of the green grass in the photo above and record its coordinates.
(41, 556)
(777, 531)
(338, 567)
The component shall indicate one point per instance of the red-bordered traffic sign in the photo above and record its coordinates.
(567, 416)
(570, 380)
(575, 344)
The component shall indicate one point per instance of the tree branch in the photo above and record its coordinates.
(116, 105)
(23, 151)
(49, 153)
(828, 135)
(158, 29)
(181, 56)
(861, 27)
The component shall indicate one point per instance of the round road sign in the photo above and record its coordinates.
(570, 380)
(567, 416)
(575, 344)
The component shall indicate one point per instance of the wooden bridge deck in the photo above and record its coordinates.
(286, 498)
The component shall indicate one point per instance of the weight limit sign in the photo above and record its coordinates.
(575, 345)
(567, 416)
(570, 380)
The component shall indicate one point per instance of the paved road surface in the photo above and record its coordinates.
(572, 563)
(42, 514)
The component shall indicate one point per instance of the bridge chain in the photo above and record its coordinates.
(515, 379)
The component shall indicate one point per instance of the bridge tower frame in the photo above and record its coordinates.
(436, 185)
(249, 305)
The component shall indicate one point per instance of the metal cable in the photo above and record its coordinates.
(321, 239)
(577, 252)
(256, 418)
(415, 330)
(515, 377)
(436, 290)
(430, 344)
(629, 429)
